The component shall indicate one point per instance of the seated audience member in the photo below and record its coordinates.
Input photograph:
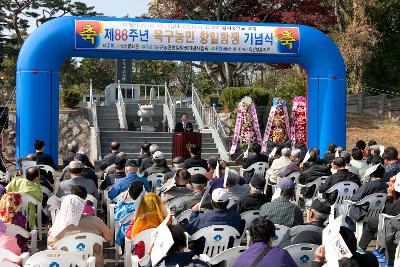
(178, 187)
(158, 165)
(254, 156)
(120, 186)
(313, 169)
(150, 214)
(72, 149)
(218, 182)
(199, 184)
(8, 242)
(109, 159)
(219, 216)
(124, 208)
(358, 161)
(361, 145)
(330, 154)
(69, 220)
(42, 158)
(257, 198)
(392, 207)
(303, 149)
(373, 148)
(118, 174)
(276, 153)
(294, 166)
(212, 165)
(111, 169)
(358, 259)
(29, 185)
(11, 212)
(195, 160)
(281, 210)
(178, 255)
(261, 252)
(278, 166)
(81, 192)
(177, 164)
(144, 153)
(235, 191)
(87, 172)
(148, 162)
(347, 158)
(392, 165)
(310, 232)
(340, 174)
(76, 171)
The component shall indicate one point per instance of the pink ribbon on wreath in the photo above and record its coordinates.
(299, 120)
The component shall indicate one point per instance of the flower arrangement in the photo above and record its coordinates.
(299, 121)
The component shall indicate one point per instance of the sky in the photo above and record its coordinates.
(119, 8)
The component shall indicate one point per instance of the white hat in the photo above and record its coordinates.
(158, 155)
(220, 195)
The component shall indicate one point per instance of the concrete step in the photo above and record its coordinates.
(143, 134)
(114, 125)
(108, 129)
(154, 140)
(163, 149)
(168, 156)
(138, 145)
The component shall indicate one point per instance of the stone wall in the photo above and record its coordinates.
(73, 126)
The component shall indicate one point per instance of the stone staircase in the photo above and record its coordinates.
(131, 141)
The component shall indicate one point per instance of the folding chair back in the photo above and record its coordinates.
(145, 237)
(317, 183)
(248, 217)
(217, 238)
(26, 199)
(280, 231)
(302, 254)
(58, 258)
(14, 230)
(258, 167)
(228, 256)
(196, 170)
(157, 180)
(5, 254)
(345, 190)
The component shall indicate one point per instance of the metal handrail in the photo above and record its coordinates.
(170, 109)
(95, 135)
(121, 108)
(196, 101)
(217, 124)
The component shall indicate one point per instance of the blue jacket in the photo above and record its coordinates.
(216, 217)
(121, 185)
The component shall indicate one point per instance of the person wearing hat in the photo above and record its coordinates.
(195, 160)
(392, 226)
(73, 147)
(76, 170)
(122, 185)
(199, 184)
(281, 210)
(178, 187)
(257, 198)
(148, 162)
(158, 165)
(311, 231)
(220, 215)
(87, 171)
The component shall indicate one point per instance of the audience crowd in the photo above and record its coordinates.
(151, 193)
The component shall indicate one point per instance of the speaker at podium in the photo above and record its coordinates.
(182, 142)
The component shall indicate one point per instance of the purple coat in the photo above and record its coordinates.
(276, 257)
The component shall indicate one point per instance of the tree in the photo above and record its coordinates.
(316, 13)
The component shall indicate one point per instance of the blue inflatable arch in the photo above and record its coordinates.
(60, 39)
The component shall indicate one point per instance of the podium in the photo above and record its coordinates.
(182, 142)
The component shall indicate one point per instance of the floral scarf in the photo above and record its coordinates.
(10, 204)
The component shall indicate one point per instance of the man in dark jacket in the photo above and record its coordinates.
(144, 153)
(109, 159)
(41, 157)
(256, 156)
(87, 172)
(310, 232)
(148, 162)
(158, 165)
(257, 198)
(195, 160)
(184, 125)
(341, 174)
(392, 165)
(119, 173)
(71, 151)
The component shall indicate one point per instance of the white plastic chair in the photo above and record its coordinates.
(228, 256)
(294, 176)
(80, 244)
(376, 205)
(248, 217)
(196, 170)
(345, 190)
(58, 258)
(117, 227)
(186, 215)
(280, 231)
(14, 230)
(133, 260)
(317, 183)
(302, 254)
(26, 199)
(258, 167)
(217, 238)
(47, 168)
(380, 236)
(157, 180)
(111, 211)
(397, 257)
(5, 254)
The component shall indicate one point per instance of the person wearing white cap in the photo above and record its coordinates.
(220, 215)
(158, 165)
